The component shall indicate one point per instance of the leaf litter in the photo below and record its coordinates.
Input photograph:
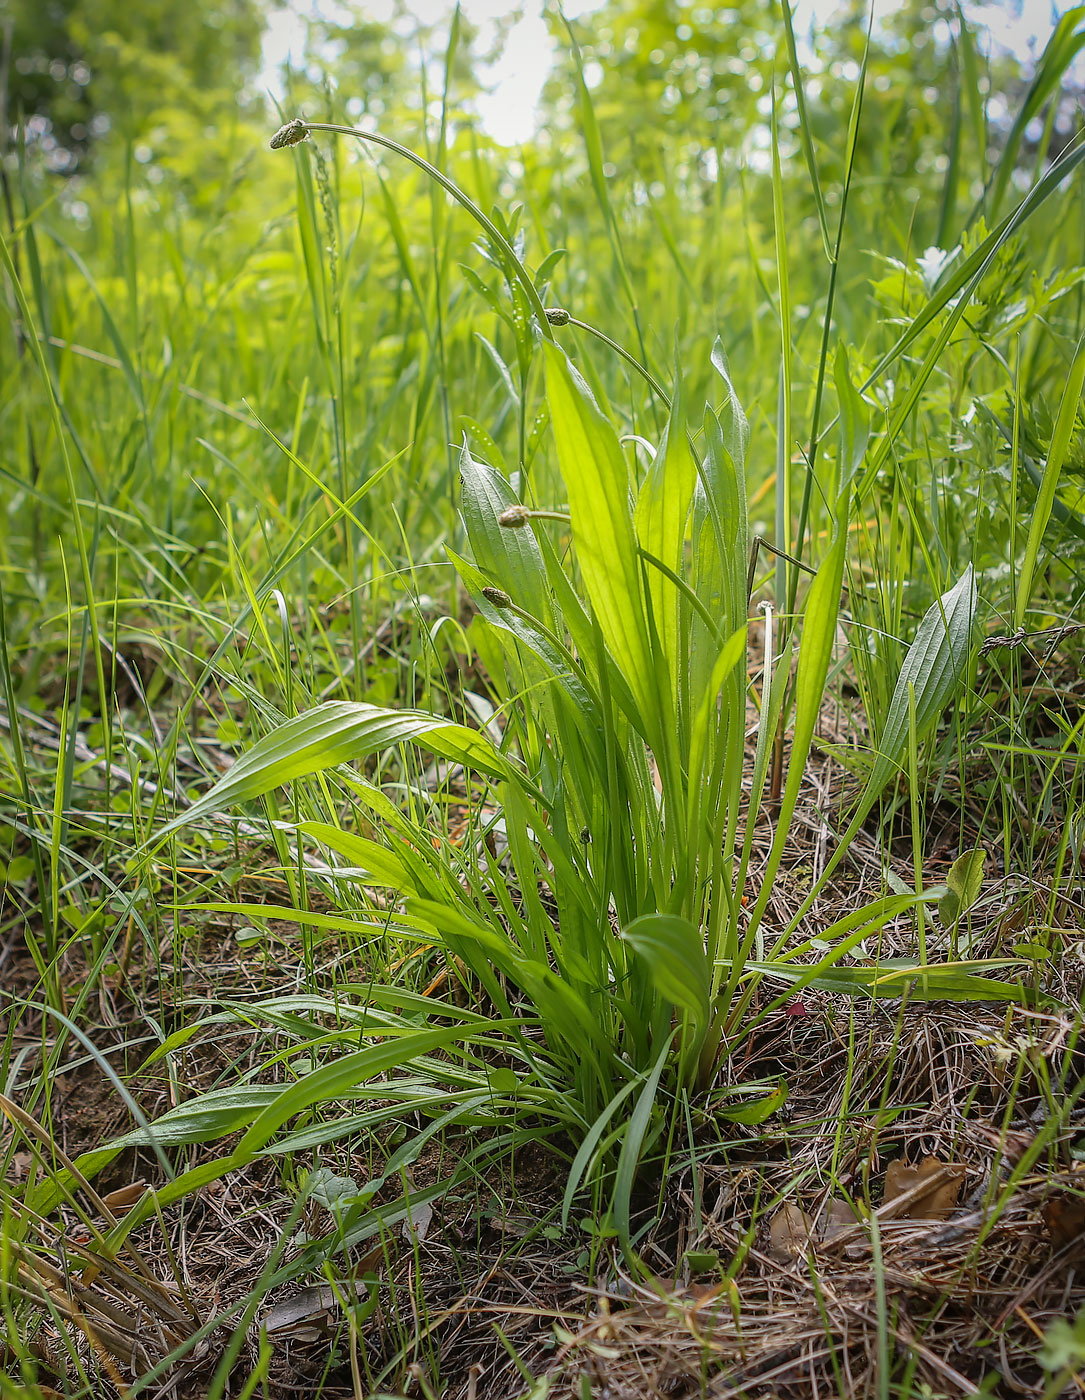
(944, 1139)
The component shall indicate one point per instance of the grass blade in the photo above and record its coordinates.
(1065, 424)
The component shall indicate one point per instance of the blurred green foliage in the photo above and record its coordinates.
(78, 68)
(390, 332)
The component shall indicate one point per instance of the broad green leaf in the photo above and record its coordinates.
(582, 634)
(335, 733)
(563, 1009)
(706, 720)
(341, 1076)
(731, 415)
(211, 1115)
(511, 624)
(486, 950)
(508, 557)
(263, 1112)
(933, 666)
(756, 1112)
(674, 951)
(596, 482)
(381, 864)
(965, 881)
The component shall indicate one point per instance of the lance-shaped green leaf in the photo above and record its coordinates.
(674, 952)
(854, 422)
(932, 668)
(632, 1145)
(542, 642)
(511, 557)
(815, 654)
(383, 866)
(1061, 49)
(897, 977)
(335, 733)
(597, 486)
(260, 1110)
(763, 1105)
(661, 516)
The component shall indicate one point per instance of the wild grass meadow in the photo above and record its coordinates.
(542, 734)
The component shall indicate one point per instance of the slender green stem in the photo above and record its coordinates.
(515, 266)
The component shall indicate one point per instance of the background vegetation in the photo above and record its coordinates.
(263, 415)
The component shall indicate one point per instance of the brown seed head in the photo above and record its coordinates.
(498, 597)
(290, 134)
(515, 518)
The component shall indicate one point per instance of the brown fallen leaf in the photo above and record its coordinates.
(836, 1217)
(1012, 1144)
(515, 1225)
(934, 1201)
(790, 1230)
(22, 1163)
(121, 1201)
(1064, 1216)
(310, 1313)
(417, 1221)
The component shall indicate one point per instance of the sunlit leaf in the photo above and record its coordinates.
(341, 731)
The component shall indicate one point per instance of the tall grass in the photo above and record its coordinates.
(262, 449)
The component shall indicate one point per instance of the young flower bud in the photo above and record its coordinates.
(498, 597)
(515, 518)
(290, 134)
(558, 316)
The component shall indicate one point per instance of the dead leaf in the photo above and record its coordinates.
(1064, 1216)
(789, 1233)
(309, 1314)
(417, 1221)
(515, 1225)
(836, 1217)
(932, 1188)
(22, 1164)
(121, 1201)
(1012, 1144)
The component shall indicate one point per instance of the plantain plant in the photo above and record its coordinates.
(602, 906)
